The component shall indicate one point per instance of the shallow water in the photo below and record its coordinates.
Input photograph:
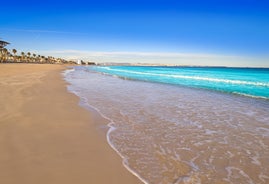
(173, 134)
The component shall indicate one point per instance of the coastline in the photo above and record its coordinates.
(46, 137)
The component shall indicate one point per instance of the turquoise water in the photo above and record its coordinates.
(253, 82)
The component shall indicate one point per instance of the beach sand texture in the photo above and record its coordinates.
(45, 137)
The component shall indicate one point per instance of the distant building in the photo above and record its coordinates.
(88, 63)
(81, 62)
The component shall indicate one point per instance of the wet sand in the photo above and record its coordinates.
(45, 137)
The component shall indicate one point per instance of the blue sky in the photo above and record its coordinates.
(225, 32)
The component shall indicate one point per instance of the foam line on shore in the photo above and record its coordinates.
(84, 103)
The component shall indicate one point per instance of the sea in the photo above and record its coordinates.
(189, 125)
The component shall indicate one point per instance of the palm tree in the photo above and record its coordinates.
(38, 58)
(3, 51)
(22, 54)
(4, 54)
(3, 44)
(42, 59)
(34, 57)
(14, 52)
(29, 54)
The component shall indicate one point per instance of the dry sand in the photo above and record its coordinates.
(45, 137)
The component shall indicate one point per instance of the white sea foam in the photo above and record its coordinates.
(65, 72)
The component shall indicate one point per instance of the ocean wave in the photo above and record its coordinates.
(217, 80)
(252, 96)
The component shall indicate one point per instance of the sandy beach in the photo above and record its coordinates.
(45, 137)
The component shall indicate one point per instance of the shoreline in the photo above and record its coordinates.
(108, 123)
(46, 137)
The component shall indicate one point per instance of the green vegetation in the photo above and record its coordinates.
(11, 56)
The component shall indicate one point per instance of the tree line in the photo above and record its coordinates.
(12, 56)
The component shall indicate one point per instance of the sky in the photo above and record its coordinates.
(182, 32)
